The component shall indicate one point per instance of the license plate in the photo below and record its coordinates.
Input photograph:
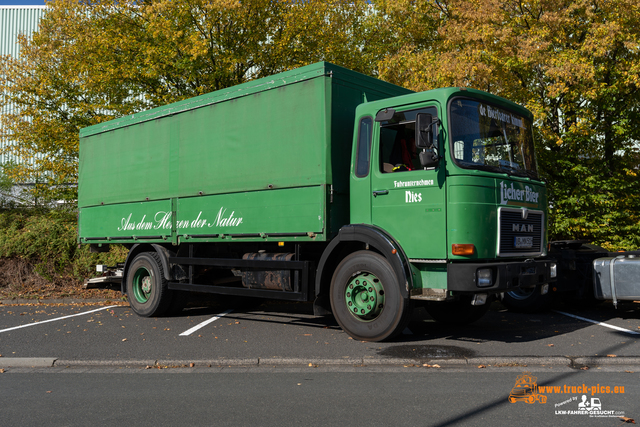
(523, 242)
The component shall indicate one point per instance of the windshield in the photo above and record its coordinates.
(491, 138)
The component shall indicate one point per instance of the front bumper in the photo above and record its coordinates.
(505, 276)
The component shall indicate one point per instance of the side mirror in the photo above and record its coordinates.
(424, 135)
(425, 131)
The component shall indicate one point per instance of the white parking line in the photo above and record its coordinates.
(203, 324)
(57, 318)
(606, 325)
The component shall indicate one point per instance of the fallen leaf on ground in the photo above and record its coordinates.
(550, 345)
(191, 365)
(628, 420)
(611, 355)
(585, 368)
(1, 371)
(482, 366)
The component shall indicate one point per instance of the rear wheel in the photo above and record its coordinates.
(146, 286)
(366, 299)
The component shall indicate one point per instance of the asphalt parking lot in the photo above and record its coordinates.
(276, 332)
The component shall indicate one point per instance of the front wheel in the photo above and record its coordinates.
(147, 287)
(366, 299)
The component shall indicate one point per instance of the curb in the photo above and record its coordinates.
(27, 362)
(607, 361)
(61, 301)
(497, 362)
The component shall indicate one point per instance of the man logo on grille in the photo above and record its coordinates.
(522, 228)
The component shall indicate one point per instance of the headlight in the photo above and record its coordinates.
(484, 277)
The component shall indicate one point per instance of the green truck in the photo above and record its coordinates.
(321, 184)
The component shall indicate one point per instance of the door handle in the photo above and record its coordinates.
(380, 193)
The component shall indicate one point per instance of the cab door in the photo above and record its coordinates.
(407, 200)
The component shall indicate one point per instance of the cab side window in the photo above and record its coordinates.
(398, 152)
(398, 148)
(363, 152)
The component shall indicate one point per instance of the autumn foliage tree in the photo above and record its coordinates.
(92, 61)
(575, 64)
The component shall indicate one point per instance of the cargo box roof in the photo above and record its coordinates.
(254, 86)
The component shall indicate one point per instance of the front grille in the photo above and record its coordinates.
(513, 225)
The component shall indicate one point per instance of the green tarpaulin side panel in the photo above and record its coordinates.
(292, 130)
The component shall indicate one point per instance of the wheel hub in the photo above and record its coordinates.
(364, 296)
(146, 284)
(142, 285)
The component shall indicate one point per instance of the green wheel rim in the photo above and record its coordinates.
(142, 285)
(364, 296)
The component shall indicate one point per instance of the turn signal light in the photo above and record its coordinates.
(463, 249)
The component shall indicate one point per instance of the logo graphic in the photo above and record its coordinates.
(510, 195)
(411, 197)
(526, 389)
(585, 406)
(579, 400)
(162, 221)
(420, 183)
(594, 405)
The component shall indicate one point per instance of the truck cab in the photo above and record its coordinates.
(451, 176)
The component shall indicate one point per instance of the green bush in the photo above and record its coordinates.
(47, 239)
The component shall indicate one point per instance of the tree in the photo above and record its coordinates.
(92, 61)
(576, 65)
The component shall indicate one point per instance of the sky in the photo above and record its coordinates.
(21, 2)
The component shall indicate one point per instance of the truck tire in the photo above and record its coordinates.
(366, 299)
(147, 287)
(526, 300)
(458, 312)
